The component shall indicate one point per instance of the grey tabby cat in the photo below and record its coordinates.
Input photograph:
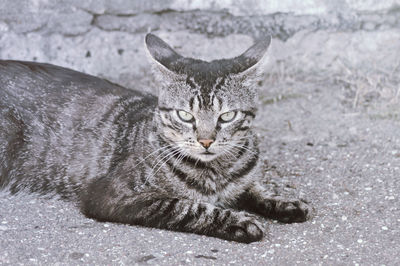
(185, 161)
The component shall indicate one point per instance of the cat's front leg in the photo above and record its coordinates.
(161, 210)
(257, 200)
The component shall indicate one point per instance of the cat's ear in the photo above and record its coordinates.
(252, 56)
(249, 64)
(163, 57)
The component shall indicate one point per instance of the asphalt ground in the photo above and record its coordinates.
(344, 159)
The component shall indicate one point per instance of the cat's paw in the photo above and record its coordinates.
(289, 210)
(246, 229)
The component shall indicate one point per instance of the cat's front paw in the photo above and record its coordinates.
(289, 210)
(246, 229)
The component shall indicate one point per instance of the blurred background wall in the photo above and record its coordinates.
(311, 38)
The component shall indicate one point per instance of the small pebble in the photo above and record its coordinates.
(271, 251)
(3, 228)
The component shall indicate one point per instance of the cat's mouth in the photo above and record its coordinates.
(207, 153)
(207, 156)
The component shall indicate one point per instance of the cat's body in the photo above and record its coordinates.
(55, 138)
(187, 161)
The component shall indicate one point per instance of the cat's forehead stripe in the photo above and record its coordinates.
(194, 104)
(191, 103)
(199, 101)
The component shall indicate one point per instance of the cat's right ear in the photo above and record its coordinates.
(163, 58)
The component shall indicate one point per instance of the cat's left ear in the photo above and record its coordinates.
(163, 57)
(248, 64)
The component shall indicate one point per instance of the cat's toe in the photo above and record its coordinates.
(292, 211)
(247, 231)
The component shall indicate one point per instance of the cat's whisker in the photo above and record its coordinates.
(240, 147)
(156, 151)
(232, 152)
(162, 155)
(195, 164)
(166, 159)
(228, 153)
(254, 153)
(165, 154)
(179, 160)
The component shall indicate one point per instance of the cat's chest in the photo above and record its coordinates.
(221, 198)
(213, 187)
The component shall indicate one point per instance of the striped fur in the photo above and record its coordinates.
(131, 158)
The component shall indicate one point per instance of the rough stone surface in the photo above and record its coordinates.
(329, 124)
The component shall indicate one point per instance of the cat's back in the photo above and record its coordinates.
(57, 123)
(36, 89)
(31, 83)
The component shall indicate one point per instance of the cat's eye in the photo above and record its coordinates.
(185, 116)
(227, 117)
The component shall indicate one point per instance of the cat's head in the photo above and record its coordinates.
(206, 108)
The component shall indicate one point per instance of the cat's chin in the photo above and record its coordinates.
(207, 157)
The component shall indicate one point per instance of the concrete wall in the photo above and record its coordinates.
(105, 38)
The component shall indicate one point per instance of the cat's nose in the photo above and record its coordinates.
(206, 143)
